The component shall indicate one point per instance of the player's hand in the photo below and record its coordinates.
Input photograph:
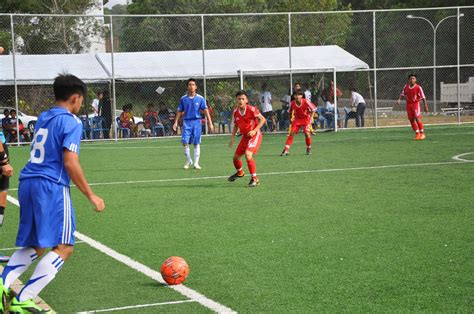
(97, 202)
(398, 102)
(7, 170)
(426, 108)
(211, 128)
(175, 127)
(251, 133)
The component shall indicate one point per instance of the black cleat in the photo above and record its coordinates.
(235, 176)
(285, 152)
(253, 182)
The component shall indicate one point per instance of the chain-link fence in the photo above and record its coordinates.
(136, 67)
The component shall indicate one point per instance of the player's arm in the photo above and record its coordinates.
(261, 122)
(209, 120)
(232, 135)
(179, 114)
(74, 170)
(425, 103)
(402, 95)
(7, 169)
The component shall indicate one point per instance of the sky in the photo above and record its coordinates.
(111, 3)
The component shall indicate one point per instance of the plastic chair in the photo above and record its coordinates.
(96, 127)
(348, 116)
(157, 127)
(122, 132)
(322, 120)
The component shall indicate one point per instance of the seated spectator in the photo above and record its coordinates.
(11, 130)
(127, 121)
(151, 119)
(166, 117)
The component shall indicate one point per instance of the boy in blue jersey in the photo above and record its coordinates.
(46, 213)
(190, 107)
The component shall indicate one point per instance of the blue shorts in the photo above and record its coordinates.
(191, 132)
(46, 214)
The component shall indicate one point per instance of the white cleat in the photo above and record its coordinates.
(196, 166)
(187, 165)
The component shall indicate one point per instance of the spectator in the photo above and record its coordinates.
(358, 103)
(6, 118)
(296, 86)
(267, 108)
(166, 117)
(284, 118)
(95, 104)
(150, 119)
(127, 121)
(105, 112)
(11, 130)
(307, 93)
(328, 98)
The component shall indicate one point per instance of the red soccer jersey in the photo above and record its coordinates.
(302, 112)
(246, 121)
(413, 94)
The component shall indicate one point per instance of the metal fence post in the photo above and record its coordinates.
(375, 67)
(336, 116)
(289, 50)
(458, 65)
(114, 98)
(204, 66)
(12, 29)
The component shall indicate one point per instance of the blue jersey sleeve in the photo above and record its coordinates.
(181, 105)
(72, 135)
(203, 104)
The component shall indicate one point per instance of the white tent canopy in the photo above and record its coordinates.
(42, 69)
(175, 65)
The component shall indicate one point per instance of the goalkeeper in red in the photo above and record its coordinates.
(249, 121)
(301, 111)
(413, 93)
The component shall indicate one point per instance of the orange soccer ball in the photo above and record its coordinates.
(174, 270)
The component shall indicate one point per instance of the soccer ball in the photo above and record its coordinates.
(174, 270)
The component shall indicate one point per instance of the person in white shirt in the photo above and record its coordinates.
(307, 93)
(267, 108)
(358, 103)
(95, 103)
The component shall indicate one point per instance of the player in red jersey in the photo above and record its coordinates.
(413, 93)
(301, 112)
(248, 120)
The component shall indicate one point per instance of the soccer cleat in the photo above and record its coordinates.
(422, 136)
(28, 306)
(417, 136)
(187, 165)
(308, 151)
(235, 176)
(253, 182)
(285, 152)
(196, 166)
(4, 259)
(2, 215)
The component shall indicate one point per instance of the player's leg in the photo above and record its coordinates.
(197, 131)
(418, 122)
(237, 159)
(54, 227)
(185, 138)
(411, 113)
(252, 169)
(307, 134)
(289, 139)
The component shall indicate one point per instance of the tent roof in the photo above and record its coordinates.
(175, 65)
(222, 63)
(42, 69)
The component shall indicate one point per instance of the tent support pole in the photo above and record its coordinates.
(14, 74)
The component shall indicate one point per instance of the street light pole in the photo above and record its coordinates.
(435, 29)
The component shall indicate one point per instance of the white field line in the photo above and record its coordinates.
(136, 306)
(88, 147)
(284, 173)
(153, 274)
(458, 157)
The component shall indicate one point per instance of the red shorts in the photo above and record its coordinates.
(413, 111)
(297, 124)
(251, 144)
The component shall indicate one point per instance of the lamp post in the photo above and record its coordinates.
(435, 28)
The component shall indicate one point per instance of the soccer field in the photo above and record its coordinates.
(372, 221)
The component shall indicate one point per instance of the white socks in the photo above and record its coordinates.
(17, 265)
(45, 271)
(197, 154)
(187, 153)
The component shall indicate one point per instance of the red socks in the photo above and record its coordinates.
(420, 126)
(308, 141)
(289, 142)
(414, 126)
(238, 164)
(252, 167)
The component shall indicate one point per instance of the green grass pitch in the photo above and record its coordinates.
(371, 222)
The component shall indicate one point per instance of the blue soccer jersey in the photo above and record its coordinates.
(55, 130)
(192, 106)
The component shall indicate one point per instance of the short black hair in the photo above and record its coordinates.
(191, 80)
(6, 111)
(66, 85)
(411, 74)
(241, 93)
(353, 89)
(150, 105)
(298, 92)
